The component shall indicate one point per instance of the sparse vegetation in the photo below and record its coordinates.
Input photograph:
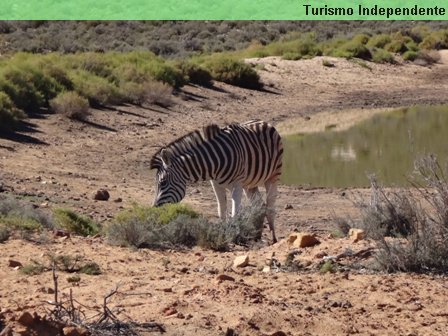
(178, 225)
(5, 233)
(19, 215)
(75, 223)
(71, 105)
(328, 267)
(29, 82)
(33, 268)
(411, 236)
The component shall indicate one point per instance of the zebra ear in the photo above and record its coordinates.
(165, 155)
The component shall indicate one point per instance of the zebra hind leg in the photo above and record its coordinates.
(221, 197)
(271, 195)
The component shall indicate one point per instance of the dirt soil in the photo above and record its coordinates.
(55, 162)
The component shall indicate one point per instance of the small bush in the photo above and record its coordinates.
(99, 91)
(352, 49)
(410, 55)
(90, 268)
(291, 56)
(71, 105)
(177, 225)
(5, 233)
(379, 41)
(158, 93)
(73, 222)
(382, 56)
(411, 237)
(435, 40)
(328, 64)
(328, 267)
(427, 57)
(22, 216)
(195, 74)
(233, 72)
(9, 113)
(33, 268)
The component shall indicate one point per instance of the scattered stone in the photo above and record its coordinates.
(320, 255)
(303, 240)
(279, 333)
(118, 200)
(101, 195)
(241, 261)
(224, 277)
(169, 311)
(26, 319)
(14, 263)
(60, 233)
(2, 188)
(288, 206)
(356, 235)
(73, 331)
(266, 269)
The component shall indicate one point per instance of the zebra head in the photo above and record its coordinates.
(170, 184)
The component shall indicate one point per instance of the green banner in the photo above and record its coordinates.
(223, 10)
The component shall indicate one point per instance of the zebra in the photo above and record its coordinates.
(236, 157)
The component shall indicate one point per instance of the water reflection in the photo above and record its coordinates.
(386, 144)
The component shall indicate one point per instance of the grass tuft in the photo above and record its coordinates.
(75, 223)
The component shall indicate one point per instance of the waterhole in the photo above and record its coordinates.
(386, 144)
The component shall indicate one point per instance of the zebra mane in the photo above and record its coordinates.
(175, 147)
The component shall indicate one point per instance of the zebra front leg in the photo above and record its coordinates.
(237, 192)
(271, 195)
(221, 197)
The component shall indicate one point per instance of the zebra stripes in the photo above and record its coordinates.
(236, 157)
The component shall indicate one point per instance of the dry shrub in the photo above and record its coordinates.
(71, 105)
(411, 232)
(174, 225)
(153, 92)
(427, 57)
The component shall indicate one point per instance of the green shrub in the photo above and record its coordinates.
(233, 72)
(5, 233)
(410, 55)
(9, 113)
(28, 86)
(71, 105)
(151, 226)
(73, 222)
(195, 74)
(177, 225)
(33, 268)
(382, 56)
(351, 49)
(379, 41)
(291, 56)
(98, 90)
(435, 40)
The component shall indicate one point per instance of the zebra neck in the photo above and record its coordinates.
(195, 167)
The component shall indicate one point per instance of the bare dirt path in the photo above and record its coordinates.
(62, 163)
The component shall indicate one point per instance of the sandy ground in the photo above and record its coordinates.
(56, 162)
